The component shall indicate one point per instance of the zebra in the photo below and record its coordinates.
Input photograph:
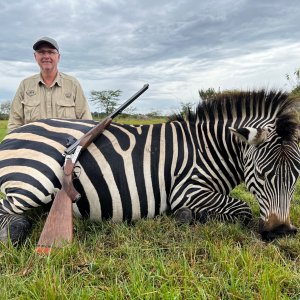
(186, 166)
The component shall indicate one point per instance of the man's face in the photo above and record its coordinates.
(47, 57)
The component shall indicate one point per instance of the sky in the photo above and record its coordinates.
(177, 47)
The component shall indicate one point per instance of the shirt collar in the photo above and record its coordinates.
(57, 80)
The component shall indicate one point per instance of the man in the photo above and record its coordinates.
(50, 94)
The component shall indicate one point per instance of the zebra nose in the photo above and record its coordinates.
(269, 234)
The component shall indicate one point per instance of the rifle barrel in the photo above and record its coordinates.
(119, 110)
(129, 101)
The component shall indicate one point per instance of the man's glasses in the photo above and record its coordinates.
(49, 52)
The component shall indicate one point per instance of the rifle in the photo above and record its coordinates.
(58, 228)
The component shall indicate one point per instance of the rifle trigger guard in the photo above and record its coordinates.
(76, 172)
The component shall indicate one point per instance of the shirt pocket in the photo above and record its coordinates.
(32, 109)
(66, 108)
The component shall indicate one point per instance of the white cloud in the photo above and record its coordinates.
(176, 47)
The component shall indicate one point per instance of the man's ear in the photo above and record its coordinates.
(250, 135)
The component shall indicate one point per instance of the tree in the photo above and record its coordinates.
(153, 114)
(5, 109)
(186, 108)
(211, 93)
(294, 81)
(105, 100)
(207, 94)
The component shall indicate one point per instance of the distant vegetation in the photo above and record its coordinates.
(106, 101)
(4, 110)
(3, 129)
(294, 81)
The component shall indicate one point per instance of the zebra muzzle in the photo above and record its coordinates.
(273, 229)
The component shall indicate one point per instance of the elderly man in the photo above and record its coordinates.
(49, 94)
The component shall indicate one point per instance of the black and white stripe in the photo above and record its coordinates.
(132, 172)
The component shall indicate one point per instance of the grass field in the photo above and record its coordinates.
(3, 129)
(157, 259)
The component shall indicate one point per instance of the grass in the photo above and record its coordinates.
(3, 129)
(156, 259)
(135, 121)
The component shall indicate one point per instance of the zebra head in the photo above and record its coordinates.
(271, 159)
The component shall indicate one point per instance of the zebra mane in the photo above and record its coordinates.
(240, 104)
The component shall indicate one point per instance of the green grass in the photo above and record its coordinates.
(3, 129)
(135, 121)
(156, 259)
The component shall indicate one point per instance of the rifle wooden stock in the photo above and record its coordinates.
(58, 228)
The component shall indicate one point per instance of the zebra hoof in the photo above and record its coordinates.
(14, 228)
(183, 216)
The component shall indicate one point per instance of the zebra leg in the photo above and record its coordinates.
(211, 206)
(232, 210)
(13, 227)
(185, 215)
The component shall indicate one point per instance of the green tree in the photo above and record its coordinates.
(185, 108)
(105, 101)
(207, 94)
(294, 81)
(211, 93)
(5, 109)
(153, 114)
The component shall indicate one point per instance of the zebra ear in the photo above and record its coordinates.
(250, 135)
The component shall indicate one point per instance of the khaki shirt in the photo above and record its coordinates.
(34, 101)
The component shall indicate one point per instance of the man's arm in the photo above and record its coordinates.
(16, 116)
(81, 105)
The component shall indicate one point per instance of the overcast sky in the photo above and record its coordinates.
(178, 47)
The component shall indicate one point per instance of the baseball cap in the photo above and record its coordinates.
(46, 40)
